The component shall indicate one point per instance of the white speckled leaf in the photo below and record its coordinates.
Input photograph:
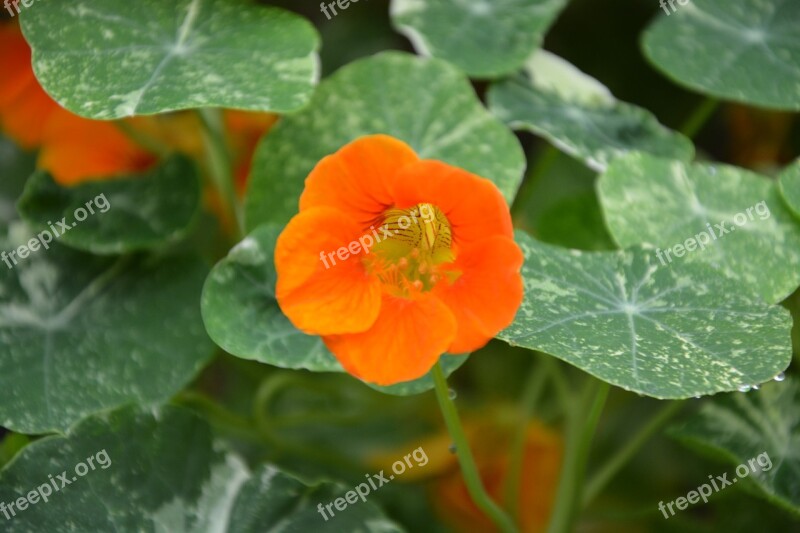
(424, 102)
(664, 332)
(790, 186)
(80, 333)
(242, 316)
(664, 203)
(161, 471)
(747, 50)
(141, 212)
(107, 59)
(579, 115)
(740, 427)
(484, 38)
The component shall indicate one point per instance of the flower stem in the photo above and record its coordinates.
(219, 160)
(581, 426)
(699, 117)
(468, 468)
(610, 469)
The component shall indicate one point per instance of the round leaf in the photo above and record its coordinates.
(669, 204)
(131, 213)
(763, 426)
(666, 332)
(747, 51)
(108, 59)
(485, 38)
(80, 333)
(242, 316)
(579, 115)
(424, 102)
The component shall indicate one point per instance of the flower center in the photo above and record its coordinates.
(413, 250)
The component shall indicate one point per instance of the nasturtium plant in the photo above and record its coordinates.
(745, 51)
(398, 265)
(78, 334)
(666, 332)
(579, 115)
(107, 59)
(123, 215)
(484, 38)
(715, 214)
(762, 426)
(425, 102)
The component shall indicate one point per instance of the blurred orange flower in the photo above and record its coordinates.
(539, 475)
(490, 436)
(74, 149)
(395, 260)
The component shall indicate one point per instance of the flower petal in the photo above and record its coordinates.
(485, 297)
(404, 343)
(357, 178)
(341, 298)
(473, 205)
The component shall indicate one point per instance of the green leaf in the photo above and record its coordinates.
(743, 427)
(484, 38)
(747, 52)
(579, 115)
(162, 471)
(107, 59)
(242, 316)
(425, 102)
(666, 332)
(15, 167)
(789, 184)
(121, 215)
(666, 203)
(80, 333)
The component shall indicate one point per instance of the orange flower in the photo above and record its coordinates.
(72, 148)
(24, 107)
(395, 260)
(538, 478)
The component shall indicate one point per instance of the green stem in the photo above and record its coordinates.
(219, 160)
(613, 466)
(530, 397)
(468, 467)
(218, 415)
(699, 117)
(145, 141)
(580, 430)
